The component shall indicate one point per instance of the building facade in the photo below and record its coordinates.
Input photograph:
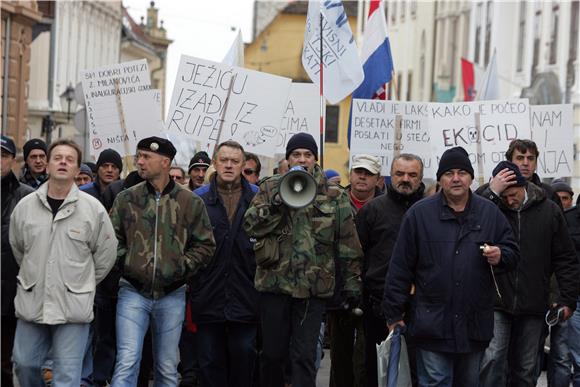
(19, 19)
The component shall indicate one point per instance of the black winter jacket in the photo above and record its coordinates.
(378, 223)
(545, 248)
(452, 309)
(224, 290)
(12, 192)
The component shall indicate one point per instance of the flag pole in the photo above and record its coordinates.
(322, 103)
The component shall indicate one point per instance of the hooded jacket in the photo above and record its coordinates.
(545, 248)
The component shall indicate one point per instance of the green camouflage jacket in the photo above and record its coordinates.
(308, 240)
(163, 238)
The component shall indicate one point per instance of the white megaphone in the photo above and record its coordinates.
(297, 187)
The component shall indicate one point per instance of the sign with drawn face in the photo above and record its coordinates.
(214, 102)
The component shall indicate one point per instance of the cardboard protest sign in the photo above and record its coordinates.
(373, 131)
(302, 114)
(214, 102)
(552, 131)
(121, 107)
(500, 122)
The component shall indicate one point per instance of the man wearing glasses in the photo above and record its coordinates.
(252, 168)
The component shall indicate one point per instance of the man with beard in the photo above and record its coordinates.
(346, 329)
(378, 225)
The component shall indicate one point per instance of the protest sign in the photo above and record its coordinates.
(429, 129)
(373, 131)
(302, 114)
(552, 131)
(500, 122)
(214, 102)
(140, 107)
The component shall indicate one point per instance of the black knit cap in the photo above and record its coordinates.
(454, 158)
(30, 145)
(520, 180)
(302, 141)
(200, 159)
(158, 145)
(560, 185)
(110, 156)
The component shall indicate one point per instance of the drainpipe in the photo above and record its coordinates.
(51, 69)
(433, 95)
(8, 26)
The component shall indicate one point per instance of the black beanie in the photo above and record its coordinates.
(454, 158)
(302, 141)
(110, 156)
(30, 145)
(520, 180)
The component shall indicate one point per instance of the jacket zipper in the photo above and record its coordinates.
(517, 270)
(157, 197)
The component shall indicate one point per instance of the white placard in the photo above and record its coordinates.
(140, 106)
(429, 129)
(302, 114)
(373, 131)
(252, 115)
(454, 124)
(553, 133)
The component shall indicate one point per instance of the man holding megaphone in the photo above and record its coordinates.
(302, 225)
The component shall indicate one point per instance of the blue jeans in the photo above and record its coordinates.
(227, 353)
(518, 336)
(134, 312)
(32, 343)
(559, 364)
(440, 369)
(574, 343)
(87, 370)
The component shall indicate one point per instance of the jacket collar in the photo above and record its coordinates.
(407, 200)
(9, 183)
(446, 212)
(168, 188)
(213, 196)
(72, 197)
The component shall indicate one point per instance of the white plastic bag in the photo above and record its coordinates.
(402, 374)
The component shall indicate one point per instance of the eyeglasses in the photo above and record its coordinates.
(176, 177)
(249, 171)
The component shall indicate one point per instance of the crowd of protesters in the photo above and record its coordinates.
(211, 277)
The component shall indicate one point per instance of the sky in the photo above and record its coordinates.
(200, 28)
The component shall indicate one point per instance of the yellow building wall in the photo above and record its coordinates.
(278, 50)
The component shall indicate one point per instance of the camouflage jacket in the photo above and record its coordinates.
(309, 240)
(163, 238)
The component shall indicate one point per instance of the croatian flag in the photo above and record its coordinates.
(376, 55)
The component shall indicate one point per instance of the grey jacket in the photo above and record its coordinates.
(62, 259)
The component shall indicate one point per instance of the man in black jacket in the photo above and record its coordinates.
(34, 170)
(444, 250)
(378, 225)
(12, 192)
(573, 219)
(224, 301)
(545, 248)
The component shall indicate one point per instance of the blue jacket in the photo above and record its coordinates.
(452, 308)
(224, 291)
(94, 189)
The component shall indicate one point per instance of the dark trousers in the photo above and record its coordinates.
(290, 328)
(347, 349)
(8, 331)
(104, 339)
(226, 352)
(188, 364)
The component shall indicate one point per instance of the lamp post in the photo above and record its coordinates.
(68, 97)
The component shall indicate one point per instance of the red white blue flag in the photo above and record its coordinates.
(376, 55)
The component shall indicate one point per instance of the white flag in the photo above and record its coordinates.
(342, 68)
(235, 56)
(488, 87)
